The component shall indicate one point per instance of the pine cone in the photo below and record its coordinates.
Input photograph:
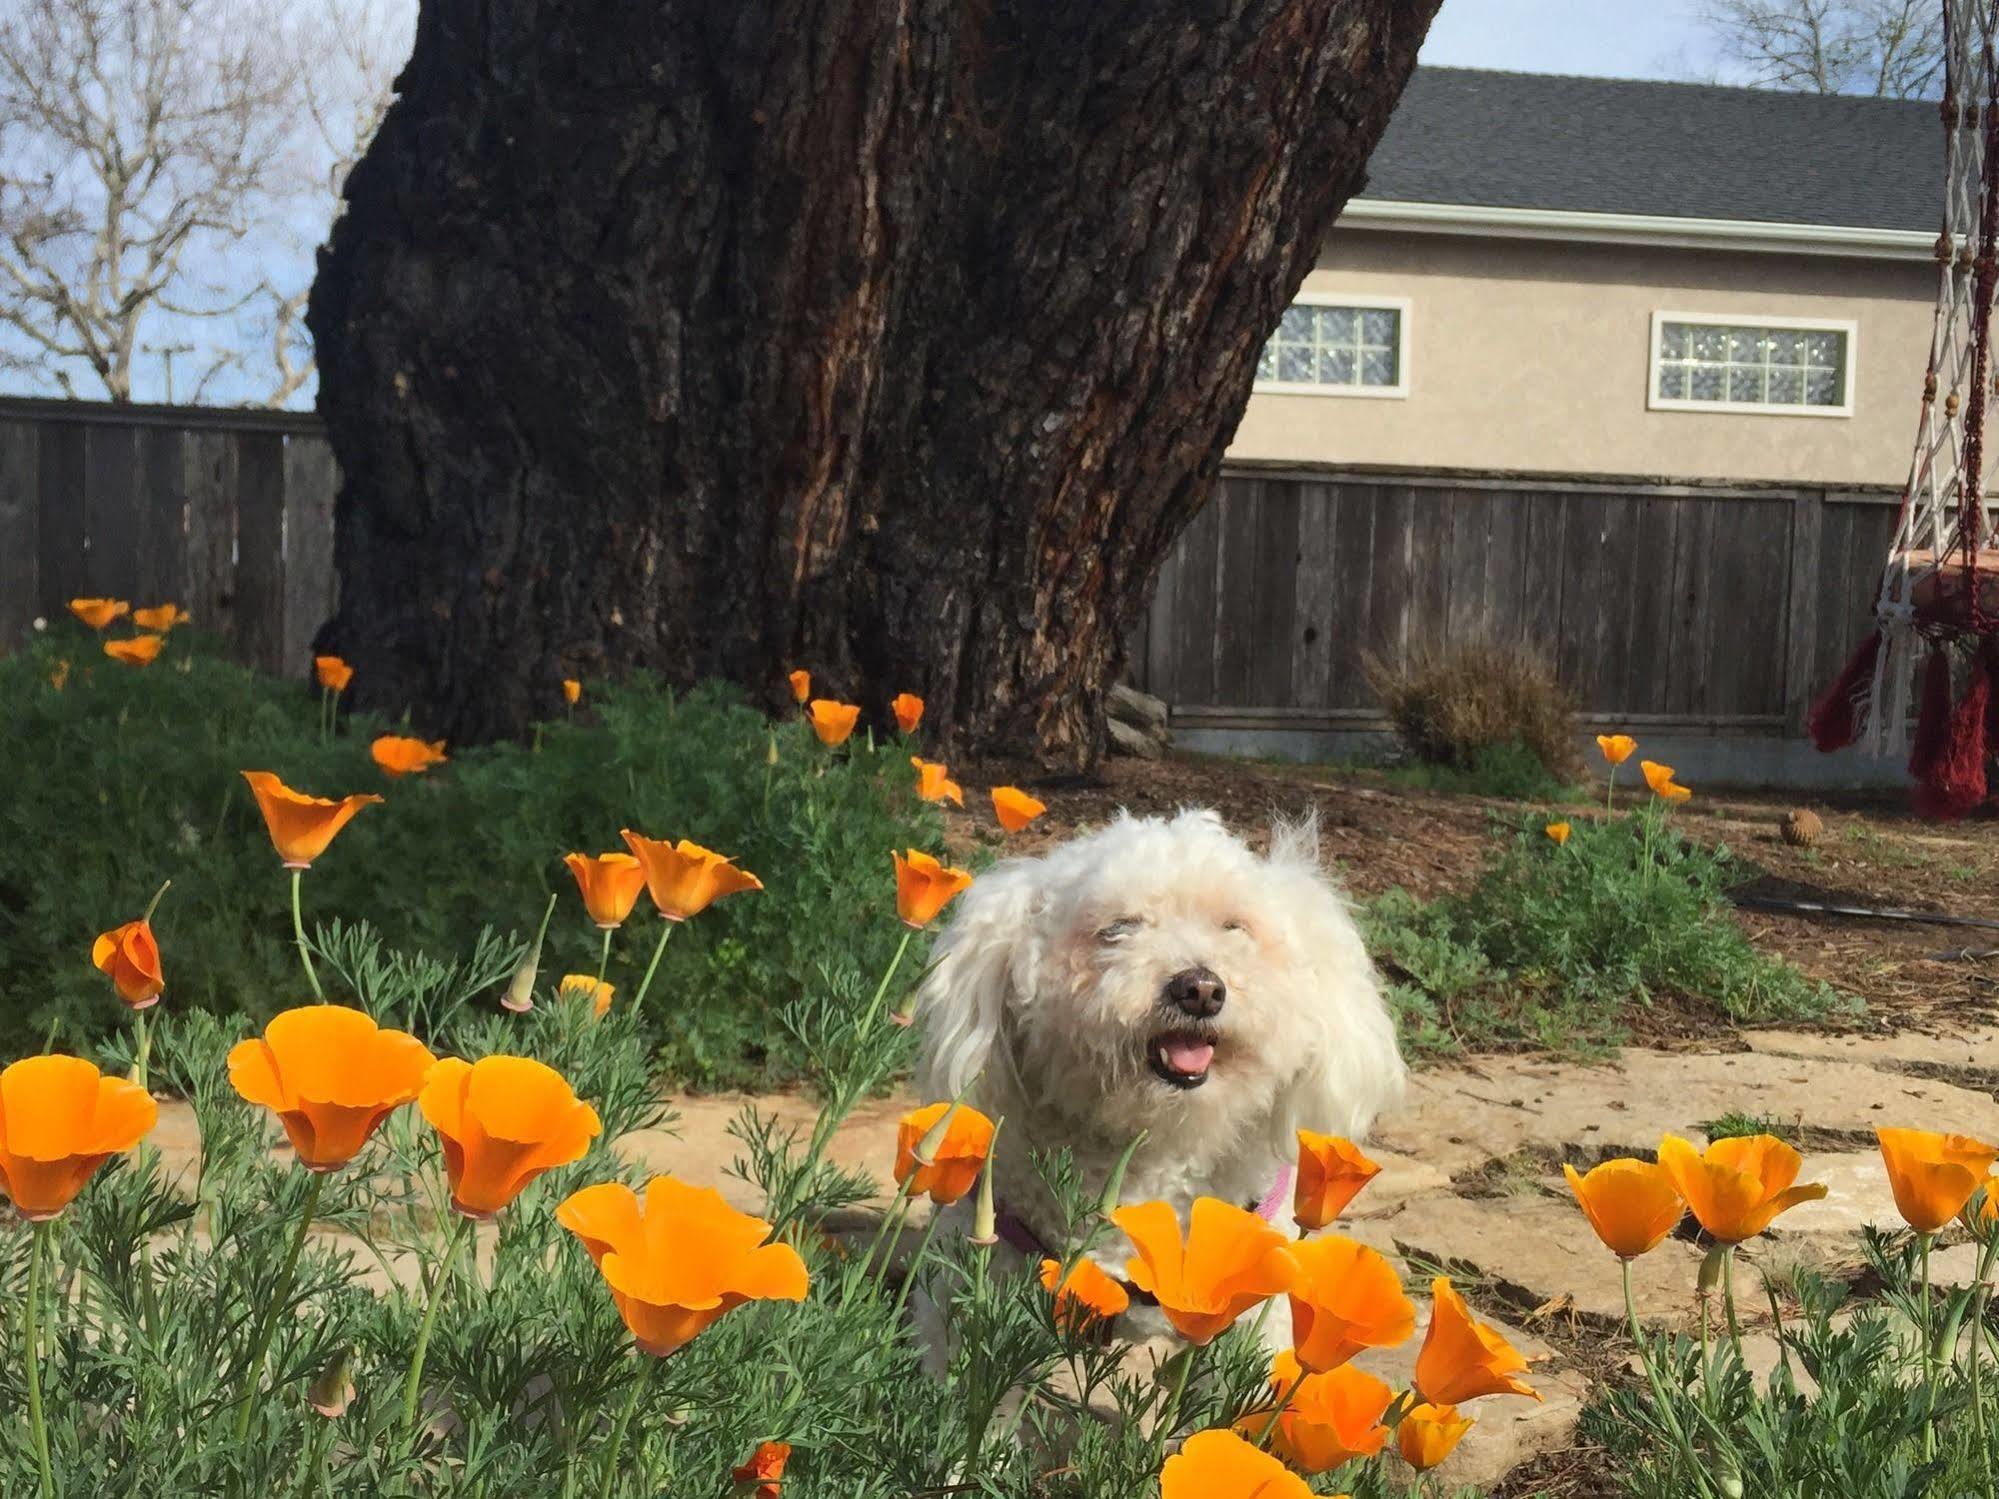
(1802, 828)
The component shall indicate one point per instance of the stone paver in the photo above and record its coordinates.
(1541, 1248)
(1974, 1046)
(1458, 1118)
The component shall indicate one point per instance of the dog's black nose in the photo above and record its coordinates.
(1197, 991)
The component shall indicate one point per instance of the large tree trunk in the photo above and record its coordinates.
(896, 339)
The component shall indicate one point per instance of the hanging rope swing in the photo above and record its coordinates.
(1937, 613)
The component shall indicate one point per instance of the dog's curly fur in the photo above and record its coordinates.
(1050, 994)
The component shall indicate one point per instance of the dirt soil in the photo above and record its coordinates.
(1377, 835)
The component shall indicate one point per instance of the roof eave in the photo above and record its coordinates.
(1654, 230)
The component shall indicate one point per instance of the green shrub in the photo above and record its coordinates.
(126, 778)
(1553, 943)
(1452, 703)
(1504, 772)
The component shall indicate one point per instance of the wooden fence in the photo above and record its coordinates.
(227, 513)
(1690, 606)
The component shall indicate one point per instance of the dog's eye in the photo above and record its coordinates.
(1118, 930)
(1234, 925)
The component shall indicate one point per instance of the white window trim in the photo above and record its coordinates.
(1399, 391)
(1779, 322)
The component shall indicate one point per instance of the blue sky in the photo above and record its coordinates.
(1613, 38)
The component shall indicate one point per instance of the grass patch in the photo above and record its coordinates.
(1556, 945)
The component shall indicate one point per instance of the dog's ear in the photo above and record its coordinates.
(1353, 1069)
(988, 953)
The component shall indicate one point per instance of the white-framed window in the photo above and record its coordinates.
(1769, 366)
(1335, 344)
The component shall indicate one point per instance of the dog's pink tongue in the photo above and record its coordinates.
(1189, 1057)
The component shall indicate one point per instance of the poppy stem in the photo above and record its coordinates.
(31, 1347)
(639, 1383)
(142, 1047)
(915, 1265)
(1728, 1299)
(604, 956)
(1169, 1415)
(881, 989)
(280, 1292)
(1929, 1352)
(298, 931)
(653, 967)
(413, 1385)
(1277, 1411)
(1666, 1412)
(1977, 1349)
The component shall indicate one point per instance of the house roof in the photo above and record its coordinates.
(1548, 142)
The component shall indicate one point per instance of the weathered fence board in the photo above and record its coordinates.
(227, 513)
(1659, 603)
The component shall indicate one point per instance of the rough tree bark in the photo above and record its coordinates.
(892, 338)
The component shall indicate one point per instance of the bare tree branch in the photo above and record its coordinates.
(1892, 48)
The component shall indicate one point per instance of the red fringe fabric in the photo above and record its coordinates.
(1989, 651)
(1834, 721)
(1948, 760)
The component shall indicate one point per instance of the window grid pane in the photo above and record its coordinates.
(1334, 348)
(1751, 366)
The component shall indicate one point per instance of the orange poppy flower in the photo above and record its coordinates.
(1331, 1172)
(1328, 1419)
(1014, 808)
(398, 755)
(801, 686)
(1673, 791)
(1231, 1260)
(1345, 1297)
(140, 650)
(685, 878)
(1088, 1295)
(1988, 1210)
(332, 673)
(1558, 833)
(681, 1261)
(923, 887)
(301, 826)
(1221, 1465)
(609, 884)
(97, 613)
(160, 619)
(765, 1469)
(954, 1171)
(503, 1121)
(1463, 1358)
(331, 1075)
(833, 722)
(1428, 1435)
(1736, 1187)
(572, 691)
(1933, 1175)
(132, 957)
(908, 710)
(1616, 748)
(599, 992)
(59, 678)
(60, 1119)
(1657, 776)
(934, 783)
(1631, 1204)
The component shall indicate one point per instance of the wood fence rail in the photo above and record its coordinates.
(227, 513)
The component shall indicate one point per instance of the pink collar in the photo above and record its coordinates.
(1280, 1192)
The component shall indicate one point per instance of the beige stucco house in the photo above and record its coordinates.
(1601, 277)
(1627, 372)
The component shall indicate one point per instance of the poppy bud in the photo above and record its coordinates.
(1731, 1480)
(332, 1388)
(1114, 1187)
(770, 751)
(933, 1138)
(520, 992)
(1710, 1276)
(985, 1222)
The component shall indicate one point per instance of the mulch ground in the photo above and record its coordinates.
(1378, 835)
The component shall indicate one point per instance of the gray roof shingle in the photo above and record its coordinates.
(1681, 150)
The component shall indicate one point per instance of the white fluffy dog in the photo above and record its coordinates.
(1158, 975)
